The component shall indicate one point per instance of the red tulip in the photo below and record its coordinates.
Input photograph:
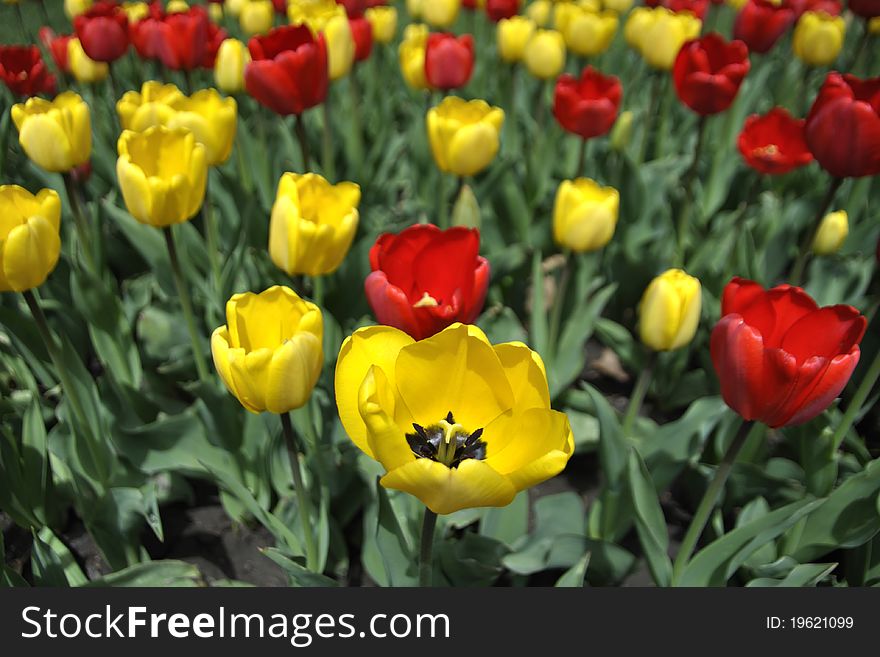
(181, 41)
(696, 7)
(843, 126)
(449, 60)
(280, 7)
(362, 33)
(353, 8)
(800, 7)
(469, 4)
(498, 9)
(103, 31)
(425, 279)
(760, 24)
(774, 143)
(23, 70)
(780, 358)
(587, 107)
(708, 73)
(288, 73)
(216, 36)
(865, 8)
(56, 44)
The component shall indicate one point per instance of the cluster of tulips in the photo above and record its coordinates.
(454, 419)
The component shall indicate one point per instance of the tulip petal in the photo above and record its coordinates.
(373, 345)
(445, 490)
(828, 332)
(376, 404)
(30, 252)
(525, 372)
(293, 372)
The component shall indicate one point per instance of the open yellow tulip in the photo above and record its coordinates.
(454, 420)
(29, 240)
(269, 354)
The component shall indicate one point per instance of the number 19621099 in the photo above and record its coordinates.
(810, 623)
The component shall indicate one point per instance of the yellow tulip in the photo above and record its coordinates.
(29, 237)
(233, 7)
(584, 215)
(832, 233)
(737, 4)
(84, 68)
(211, 118)
(56, 134)
(562, 14)
(232, 58)
(162, 174)
(818, 38)
(152, 105)
(540, 12)
(590, 33)
(327, 17)
(440, 13)
(513, 34)
(414, 8)
(256, 17)
(658, 34)
(454, 420)
(383, 20)
(874, 25)
(621, 133)
(135, 11)
(215, 12)
(269, 354)
(619, 6)
(73, 8)
(464, 135)
(313, 223)
(545, 54)
(412, 56)
(670, 311)
(176, 7)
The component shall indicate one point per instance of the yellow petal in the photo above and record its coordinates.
(525, 372)
(30, 253)
(373, 345)
(445, 490)
(293, 373)
(46, 143)
(386, 438)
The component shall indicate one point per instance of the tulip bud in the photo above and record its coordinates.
(135, 11)
(83, 68)
(270, 352)
(232, 58)
(215, 11)
(211, 118)
(73, 8)
(621, 133)
(658, 34)
(152, 105)
(737, 4)
(412, 56)
(540, 11)
(162, 174)
(818, 38)
(670, 311)
(440, 13)
(256, 17)
(832, 233)
(545, 54)
(513, 35)
(874, 25)
(620, 6)
(30, 242)
(384, 22)
(176, 7)
(56, 134)
(584, 215)
(325, 16)
(414, 8)
(589, 33)
(313, 224)
(464, 135)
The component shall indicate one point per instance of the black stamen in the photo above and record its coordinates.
(449, 418)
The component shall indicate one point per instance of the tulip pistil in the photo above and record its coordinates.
(427, 301)
(446, 442)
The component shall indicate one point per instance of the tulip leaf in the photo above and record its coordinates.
(575, 577)
(802, 575)
(46, 565)
(36, 477)
(848, 518)
(509, 523)
(558, 538)
(73, 575)
(154, 574)
(650, 523)
(387, 556)
(718, 561)
(538, 316)
(298, 574)
(472, 560)
(466, 211)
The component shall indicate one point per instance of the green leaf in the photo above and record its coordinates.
(473, 560)
(387, 556)
(509, 523)
(558, 538)
(73, 575)
(46, 565)
(717, 562)
(650, 523)
(298, 574)
(538, 318)
(575, 577)
(154, 574)
(35, 461)
(466, 211)
(802, 575)
(848, 518)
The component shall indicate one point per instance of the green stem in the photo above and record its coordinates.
(82, 225)
(582, 159)
(357, 127)
(302, 498)
(800, 265)
(710, 498)
(656, 91)
(689, 180)
(303, 138)
(213, 240)
(327, 143)
(559, 302)
(643, 382)
(318, 290)
(858, 400)
(442, 201)
(186, 305)
(426, 548)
